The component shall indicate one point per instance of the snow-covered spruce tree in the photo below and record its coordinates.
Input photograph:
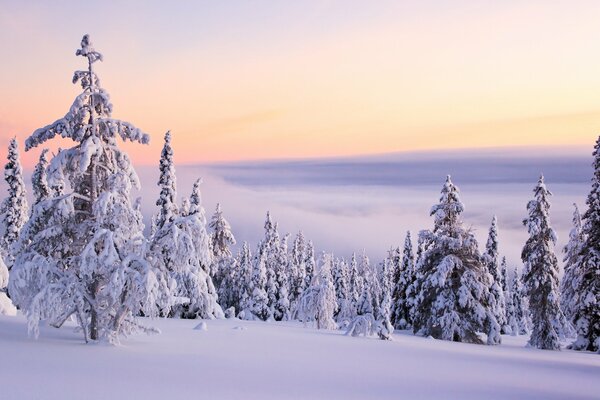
(342, 292)
(401, 301)
(504, 278)
(282, 307)
(182, 247)
(256, 306)
(244, 279)
(271, 250)
(39, 179)
(318, 303)
(453, 301)
(586, 310)
(14, 207)
(385, 306)
(82, 251)
(371, 282)
(309, 263)
(167, 182)
(226, 277)
(491, 260)
(297, 270)
(569, 296)
(540, 275)
(355, 282)
(520, 304)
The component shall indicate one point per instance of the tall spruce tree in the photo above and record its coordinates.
(341, 282)
(14, 207)
(297, 270)
(491, 260)
(521, 305)
(318, 303)
(569, 295)
(586, 310)
(82, 251)
(402, 303)
(454, 299)
(540, 275)
(167, 182)
(39, 179)
(223, 261)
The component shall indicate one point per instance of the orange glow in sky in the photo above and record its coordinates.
(259, 80)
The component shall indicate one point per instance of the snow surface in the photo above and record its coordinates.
(282, 361)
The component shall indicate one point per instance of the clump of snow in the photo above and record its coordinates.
(6, 306)
(202, 326)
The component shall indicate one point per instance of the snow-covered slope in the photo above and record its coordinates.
(235, 359)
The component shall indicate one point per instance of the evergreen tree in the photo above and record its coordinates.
(297, 270)
(223, 261)
(402, 303)
(365, 301)
(182, 247)
(504, 278)
(245, 283)
(541, 272)
(342, 292)
(454, 300)
(257, 307)
(318, 302)
(355, 282)
(39, 179)
(14, 208)
(309, 263)
(522, 321)
(572, 277)
(491, 260)
(81, 253)
(586, 312)
(282, 307)
(167, 182)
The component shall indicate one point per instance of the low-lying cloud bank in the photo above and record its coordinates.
(369, 203)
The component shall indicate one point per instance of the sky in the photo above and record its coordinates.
(254, 80)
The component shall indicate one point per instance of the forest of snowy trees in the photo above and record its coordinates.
(81, 252)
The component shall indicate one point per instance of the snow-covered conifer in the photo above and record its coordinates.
(309, 263)
(39, 179)
(491, 260)
(14, 208)
(244, 279)
(318, 303)
(540, 275)
(586, 310)
(282, 307)
(297, 270)
(355, 282)
(401, 301)
(365, 301)
(342, 292)
(569, 296)
(453, 297)
(167, 182)
(223, 261)
(522, 319)
(256, 307)
(182, 247)
(82, 251)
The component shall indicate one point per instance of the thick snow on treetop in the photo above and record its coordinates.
(91, 110)
(236, 359)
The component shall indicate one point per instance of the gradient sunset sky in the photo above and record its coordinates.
(239, 80)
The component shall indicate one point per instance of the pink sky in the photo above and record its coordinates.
(257, 80)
